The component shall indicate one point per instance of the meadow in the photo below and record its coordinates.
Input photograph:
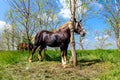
(92, 65)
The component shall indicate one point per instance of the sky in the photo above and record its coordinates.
(3, 9)
(95, 24)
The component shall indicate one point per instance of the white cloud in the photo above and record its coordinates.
(96, 4)
(106, 36)
(64, 11)
(2, 25)
(85, 40)
(98, 38)
(102, 37)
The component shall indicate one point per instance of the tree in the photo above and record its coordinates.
(21, 10)
(78, 10)
(13, 32)
(28, 19)
(72, 42)
(6, 38)
(102, 39)
(112, 15)
(46, 18)
(81, 43)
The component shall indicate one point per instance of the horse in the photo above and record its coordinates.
(24, 46)
(58, 38)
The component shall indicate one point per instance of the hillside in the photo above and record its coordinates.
(92, 65)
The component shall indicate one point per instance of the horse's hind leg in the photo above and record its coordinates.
(39, 54)
(31, 54)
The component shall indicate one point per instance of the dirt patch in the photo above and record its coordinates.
(52, 71)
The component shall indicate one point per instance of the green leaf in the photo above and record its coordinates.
(119, 24)
(84, 5)
(67, 1)
(108, 44)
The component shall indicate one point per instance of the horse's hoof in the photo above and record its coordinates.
(64, 66)
(30, 61)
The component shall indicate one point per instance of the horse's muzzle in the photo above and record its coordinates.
(82, 34)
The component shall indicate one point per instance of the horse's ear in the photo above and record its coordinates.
(75, 19)
(81, 20)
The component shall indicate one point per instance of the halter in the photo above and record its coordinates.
(76, 25)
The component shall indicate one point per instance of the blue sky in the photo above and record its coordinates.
(3, 9)
(94, 23)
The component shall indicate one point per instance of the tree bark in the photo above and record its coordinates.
(28, 26)
(13, 37)
(117, 35)
(72, 42)
(81, 43)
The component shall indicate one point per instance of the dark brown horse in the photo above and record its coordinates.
(59, 38)
(24, 46)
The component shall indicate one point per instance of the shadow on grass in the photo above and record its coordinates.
(52, 58)
(85, 62)
(57, 57)
(47, 57)
(82, 62)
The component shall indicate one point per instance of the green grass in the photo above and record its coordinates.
(103, 55)
(92, 65)
(12, 57)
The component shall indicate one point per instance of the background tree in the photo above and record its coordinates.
(21, 11)
(13, 32)
(28, 19)
(83, 11)
(6, 38)
(102, 39)
(111, 12)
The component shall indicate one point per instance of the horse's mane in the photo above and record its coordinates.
(67, 24)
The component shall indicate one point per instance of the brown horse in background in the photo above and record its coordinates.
(24, 46)
(59, 38)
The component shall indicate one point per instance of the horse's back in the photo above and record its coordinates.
(39, 37)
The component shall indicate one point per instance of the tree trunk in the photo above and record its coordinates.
(81, 43)
(13, 37)
(28, 26)
(8, 44)
(72, 42)
(117, 35)
(118, 43)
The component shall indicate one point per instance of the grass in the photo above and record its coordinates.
(92, 65)
(103, 55)
(12, 57)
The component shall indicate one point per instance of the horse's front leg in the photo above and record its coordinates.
(31, 54)
(64, 58)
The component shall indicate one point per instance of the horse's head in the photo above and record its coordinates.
(79, 28)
